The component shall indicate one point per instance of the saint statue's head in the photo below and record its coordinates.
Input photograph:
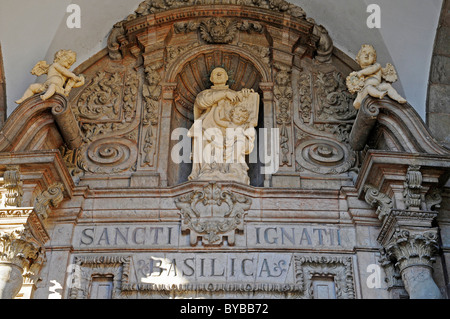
(219, 76)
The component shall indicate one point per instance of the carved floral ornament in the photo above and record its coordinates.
(212, 214)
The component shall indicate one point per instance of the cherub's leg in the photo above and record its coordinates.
(359, 98)
(32, 89)
(49, 93)
(373, 91)
(393, 94)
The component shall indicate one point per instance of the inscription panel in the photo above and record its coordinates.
(255, 236)
(181, 268)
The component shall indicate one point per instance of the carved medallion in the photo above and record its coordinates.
(212, 214)
(218, 30)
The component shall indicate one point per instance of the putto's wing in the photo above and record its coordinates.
(389, 74)
(40, 68)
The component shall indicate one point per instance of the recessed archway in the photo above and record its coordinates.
(193, 78)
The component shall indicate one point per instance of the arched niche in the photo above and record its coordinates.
(191, 76)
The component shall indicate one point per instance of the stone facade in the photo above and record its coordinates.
(97, 205)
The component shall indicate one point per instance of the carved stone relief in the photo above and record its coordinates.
(151, 93)
(339, 269)
(212, 214)
(283, 94)
(13, 186)
(86, 267)
(323, 121)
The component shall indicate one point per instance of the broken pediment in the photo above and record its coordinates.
(128, 122)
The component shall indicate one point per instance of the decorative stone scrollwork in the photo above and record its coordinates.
(324, 156)
(218, 30)
(212, 214)
(110, 155)
(433, 199)
(305, 94)
(413, 184)
(149, 6)
(52, 196)
(380, 200)
(338, 268)
(108, 104)
(13, 186)
(100, 100)
(336, 103)
(411, 244)
(283, 93)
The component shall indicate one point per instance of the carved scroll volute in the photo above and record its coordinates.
(13, 186)
(381, 201)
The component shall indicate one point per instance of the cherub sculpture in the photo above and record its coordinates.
(369, 80)
(59, 78)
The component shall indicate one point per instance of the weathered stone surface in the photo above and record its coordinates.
(118, 217)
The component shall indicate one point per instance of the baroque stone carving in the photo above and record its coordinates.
(151, 92)
(110, 155)
(13, 186)
(100, 99)
(150, 6)
(283, 93)
(52, 196)
(218, 30)
(368, 81)
(413, 184)
(212, 214)
(338, 268)
(223, 131)
(380, 200)
(411, 244)
(335, 102)
(18, 251)
(324, 156)
(108, 104)
(305, 94)
(433, 199)
(59, 78)
(85, 267)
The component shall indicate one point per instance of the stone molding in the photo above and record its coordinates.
(339, 268)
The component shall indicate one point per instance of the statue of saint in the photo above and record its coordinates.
(223, 131)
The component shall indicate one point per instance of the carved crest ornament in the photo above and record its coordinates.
(212, 214)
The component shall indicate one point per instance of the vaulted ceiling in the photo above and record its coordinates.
(34, 30)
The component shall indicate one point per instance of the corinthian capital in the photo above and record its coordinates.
(19, 247)
(52, 196)
(411, 248)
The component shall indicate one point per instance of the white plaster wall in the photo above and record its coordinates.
(32, 30)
